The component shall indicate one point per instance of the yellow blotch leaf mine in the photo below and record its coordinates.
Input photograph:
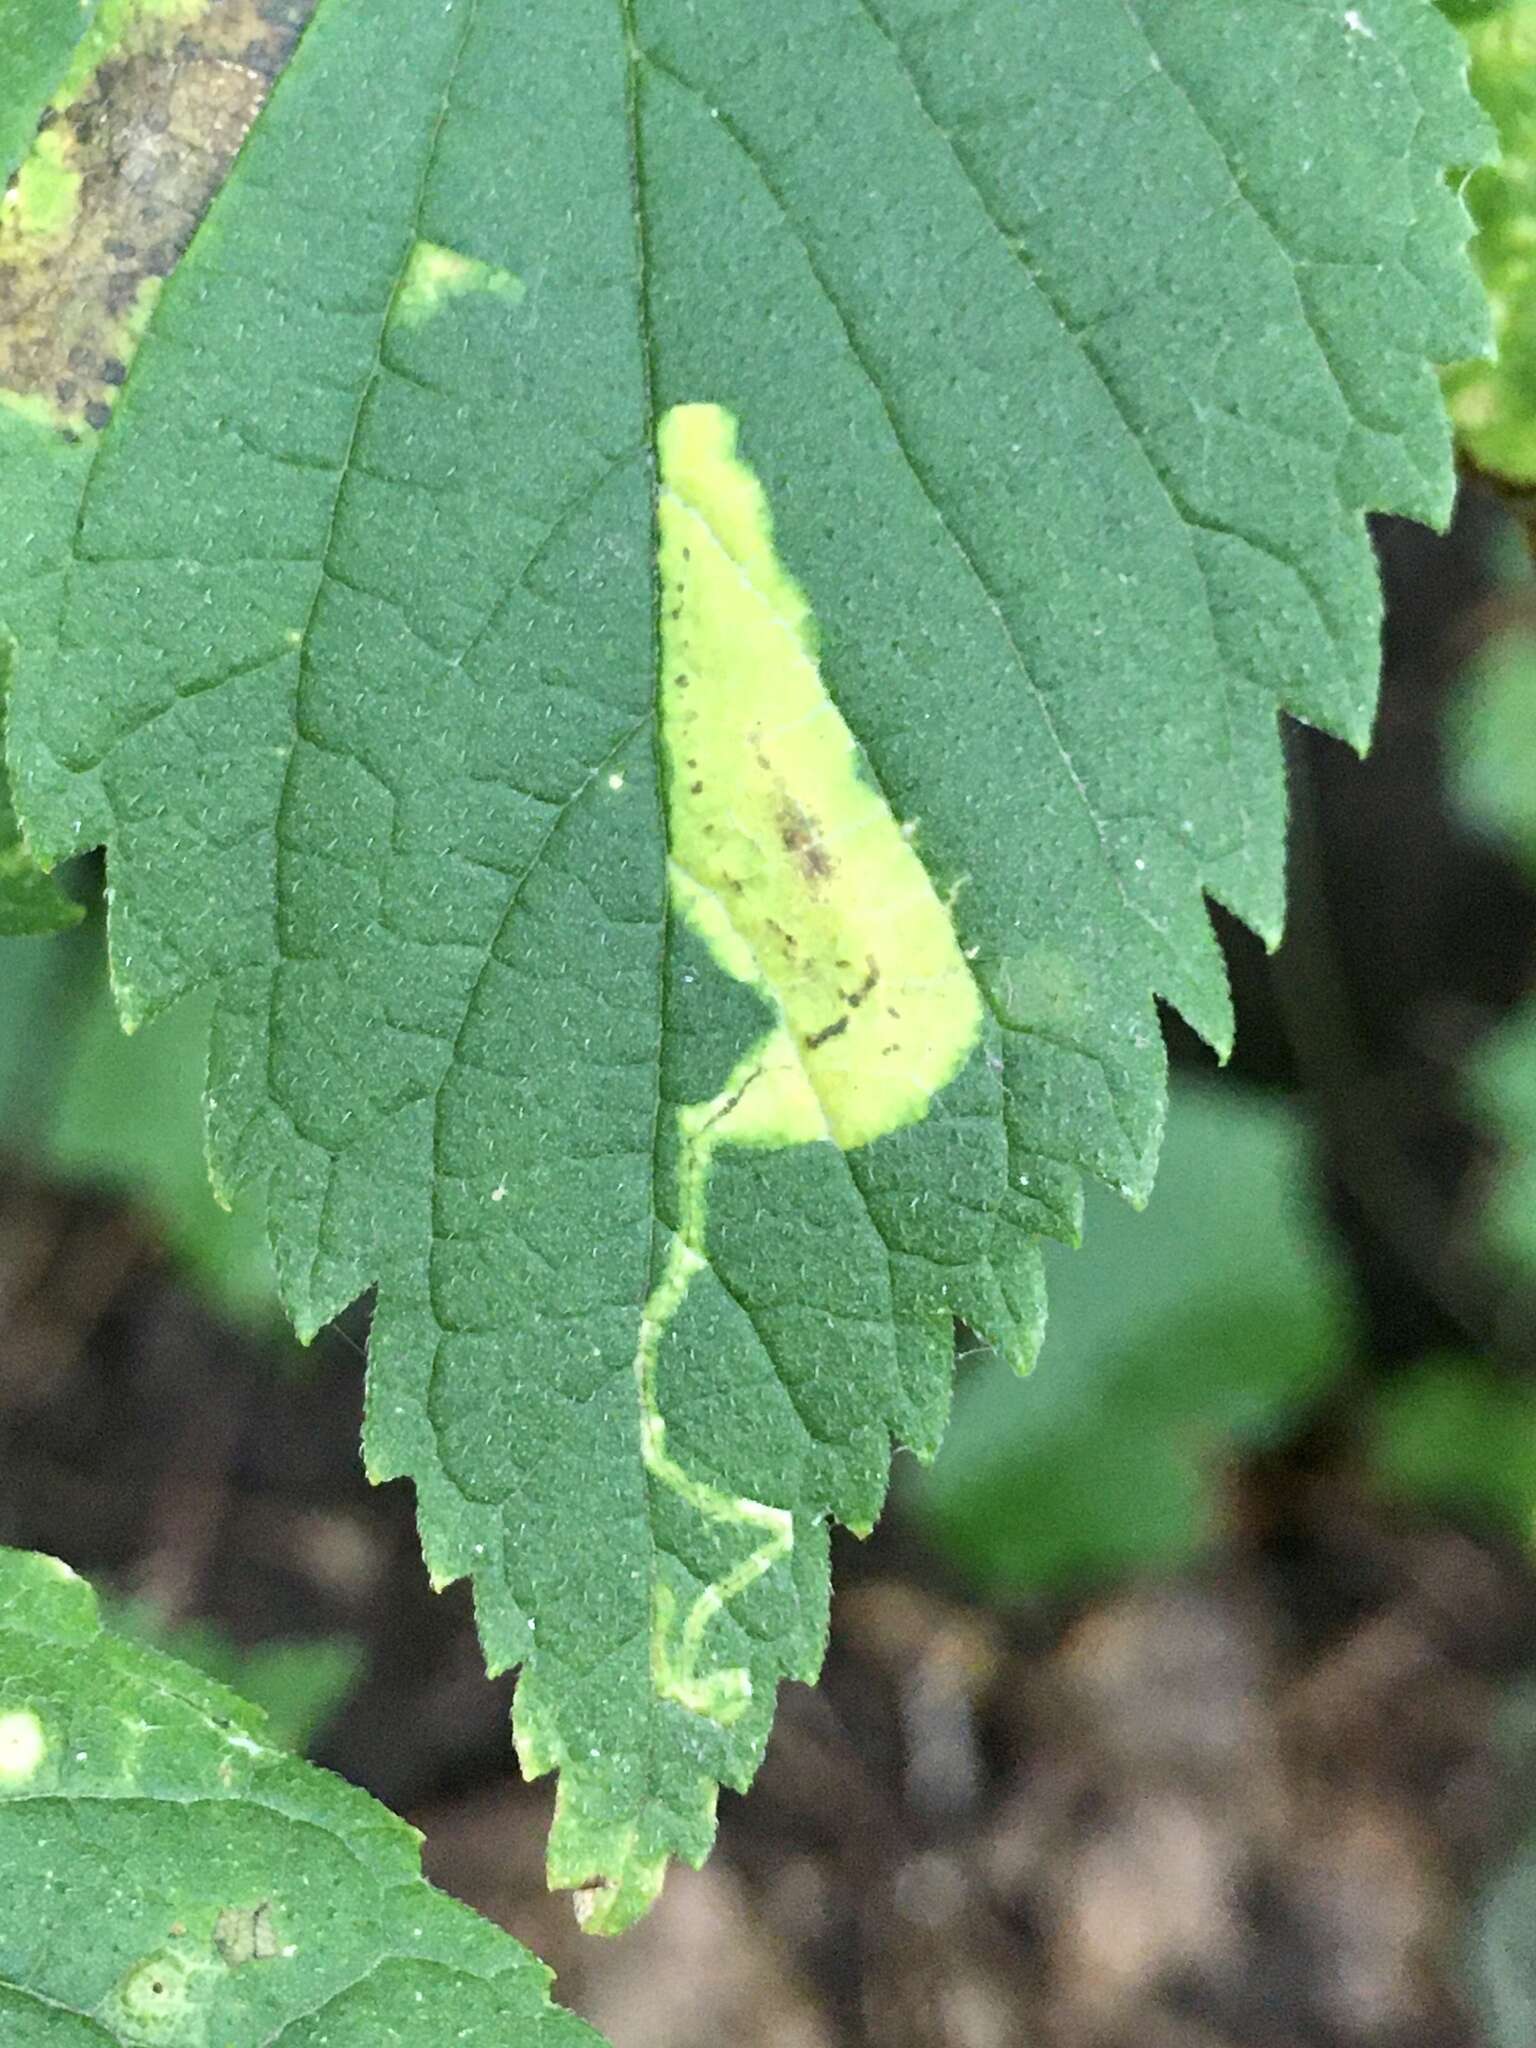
(787, 858)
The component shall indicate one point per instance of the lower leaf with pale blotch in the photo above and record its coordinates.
(177, 1882)
(418, 580)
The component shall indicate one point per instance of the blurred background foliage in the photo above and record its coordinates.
(1207, 1322)
(298, 1685)
(84, 1101)
(1494, 404)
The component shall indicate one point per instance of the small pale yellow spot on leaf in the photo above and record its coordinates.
(434, 276)
(47, 188)
(23, 1745)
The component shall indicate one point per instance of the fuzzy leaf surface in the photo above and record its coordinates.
(1001, 387)
(270, 1904)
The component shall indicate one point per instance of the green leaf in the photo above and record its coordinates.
(1493, 747)
(1503, 1084)
(898, 463)
(39, 38)
(31, 902)
(298, 1685)
(146, 100)
(268, 1900)
(1493, 742)
(83, 1101)
(1454, 1435)
(1175, 1335)
(128, 1111)
(1493, 403)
